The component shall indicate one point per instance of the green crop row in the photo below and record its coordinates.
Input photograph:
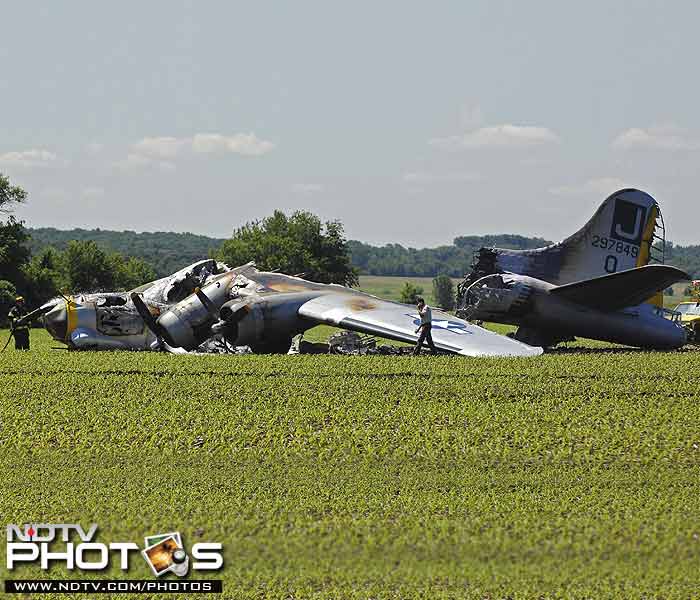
(568, 475)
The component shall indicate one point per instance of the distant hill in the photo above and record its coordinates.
(454, 260)
(684, 257)
(168, 252)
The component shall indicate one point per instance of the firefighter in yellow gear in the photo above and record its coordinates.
(20, 329)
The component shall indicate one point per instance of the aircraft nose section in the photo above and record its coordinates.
(56, 321)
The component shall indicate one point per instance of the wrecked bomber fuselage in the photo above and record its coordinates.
(246, 307)
(545, 318)
(243, 313)
(95, 321)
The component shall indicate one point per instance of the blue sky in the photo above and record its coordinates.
(410, 122)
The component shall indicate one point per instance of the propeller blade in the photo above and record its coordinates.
(208, 304)
(145, 314)
(150, 321)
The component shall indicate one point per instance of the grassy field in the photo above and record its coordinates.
(390, 287)
(569, 475)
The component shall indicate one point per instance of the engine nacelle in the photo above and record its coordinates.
(503, 298)
(265, 324)
(244, 322)
(188, 323)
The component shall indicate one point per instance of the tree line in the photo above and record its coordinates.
(168, 252)
(283, 243)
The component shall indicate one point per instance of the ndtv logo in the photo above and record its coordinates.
(163, 553)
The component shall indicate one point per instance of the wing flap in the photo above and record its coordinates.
(620, 290)
(367, 314)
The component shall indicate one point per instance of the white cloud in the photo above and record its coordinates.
(599, 187)
(240, 143)
(161, 152)
(160, 147)
(139, 161)
(307, 188)
(426, 178)
(667, 137)
(498, 136)
(28, 158)
(202, 143)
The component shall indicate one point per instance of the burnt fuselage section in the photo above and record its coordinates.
(545, 318)
(516, 287)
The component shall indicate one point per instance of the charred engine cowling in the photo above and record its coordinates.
(501, 297)
(188, 323)
(241, 322)
(484, 263)
(231, 306)
(271, 322)
(267, 325)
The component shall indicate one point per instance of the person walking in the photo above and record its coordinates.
(20, 330)
(425, 327)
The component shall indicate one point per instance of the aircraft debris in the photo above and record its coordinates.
(595, 284)
(209, 307)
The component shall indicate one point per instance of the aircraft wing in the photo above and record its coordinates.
(619, 290)
(367, 314)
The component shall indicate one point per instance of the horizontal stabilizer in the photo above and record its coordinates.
(620, 290)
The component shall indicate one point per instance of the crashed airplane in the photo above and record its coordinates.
(596, 284)
(247, 307)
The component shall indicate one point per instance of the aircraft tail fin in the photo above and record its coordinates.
(620, 290)
(626, 231)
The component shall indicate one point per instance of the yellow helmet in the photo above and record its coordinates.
(19, 299)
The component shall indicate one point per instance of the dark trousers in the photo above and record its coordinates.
(21, 339)
(425, 336)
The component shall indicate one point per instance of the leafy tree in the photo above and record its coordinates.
(87, 267)
(296, 244)
(8, 293)
(130, 273)
(83, 266)
(409, 292)
(14, 253)
(444, 292)
(166, 252)
(10, 194)
(45, 276)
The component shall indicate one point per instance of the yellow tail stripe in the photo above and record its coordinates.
(648, 237)
(645, 251)
(72, 317)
